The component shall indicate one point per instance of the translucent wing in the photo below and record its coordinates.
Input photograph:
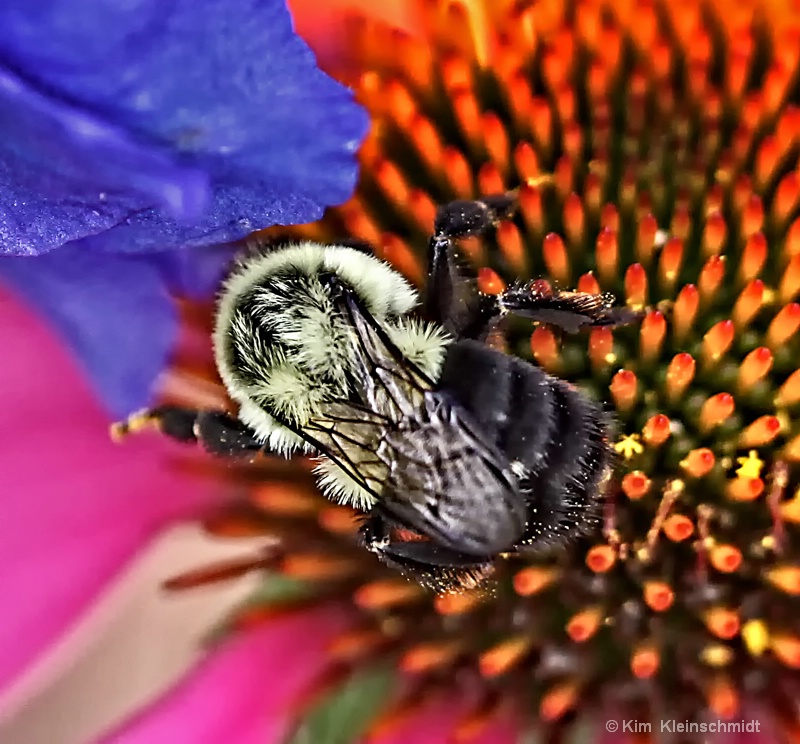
(417, 450)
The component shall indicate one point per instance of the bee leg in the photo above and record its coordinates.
(570, 311)
(451, 296)
(218, 432)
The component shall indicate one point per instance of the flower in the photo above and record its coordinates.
(65, 486)
(121, 134)
(655, 150)
(137, 157)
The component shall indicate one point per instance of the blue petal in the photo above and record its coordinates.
(153, 124)
(114, 313)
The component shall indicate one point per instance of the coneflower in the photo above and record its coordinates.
(655, 146)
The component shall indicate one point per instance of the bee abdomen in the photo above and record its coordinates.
(563, 497)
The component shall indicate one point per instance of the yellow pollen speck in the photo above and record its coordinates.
(750, 466)
(768, 542)
(769, 296)
(717, 655)
(756, 636)
(629, 445)
(610, 358)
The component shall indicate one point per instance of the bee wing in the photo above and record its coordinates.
(387, 388)
(449, 482)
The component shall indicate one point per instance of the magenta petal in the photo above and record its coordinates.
(239, 694)
(75, 507)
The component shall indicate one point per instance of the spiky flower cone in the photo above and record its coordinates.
(656, 148)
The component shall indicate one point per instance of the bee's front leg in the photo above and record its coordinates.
(218, 432)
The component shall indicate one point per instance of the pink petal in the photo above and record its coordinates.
(74, 507)
(239, 694)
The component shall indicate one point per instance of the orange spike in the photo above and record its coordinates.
(588, 284)
(651, 335)
(722, 698)
(681, 223)
(277, 499)
(555, 258)
(789, 285)
(392, 181)
(748, 304)
(658, 595)
(645, 661)
(711, 276)
(762, 431)
(680, 373)
(601, 348)
(722, 622)
(355, 644)
(623, 388)
(223, 570)
(725, 558)
(338, 520)
(789, 510)
(744, 489)
(786, 578)
(669, 265)
(607, 256)
(425, 136)
(387, 593)
(789, 392)
(699, 462)
(678, 527)
(530, 204)
(635, 286)
(792, 449)
(714, 234)
(716, 409)
(646, 238)
(558, 700)
(317, 566)
(717, 341)
(636, 485)
(684, 311)
(574, 221)
(525, 161)
(787, 649)
(511, 246)
(467, 114)
(752, 216)
(791, 244)
(609, 218)
(495, 139)
(753, 257)
(422, 209)
(786, 196)
(584, 624)
(396, 714)
(397, 252)
(457, 170)
(601, 558)
(490, 180)
(457, 603)
(534, 579)
(656, 430)
(489, 282)
(755, 366)
(783, 326)
(426, 657)
(505, 655)
(545, 348)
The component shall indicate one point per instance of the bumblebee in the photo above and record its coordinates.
(453, 451)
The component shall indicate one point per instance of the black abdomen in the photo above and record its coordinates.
(555, 434)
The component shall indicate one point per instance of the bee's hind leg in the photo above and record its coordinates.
(434, 566)
(218, 432)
